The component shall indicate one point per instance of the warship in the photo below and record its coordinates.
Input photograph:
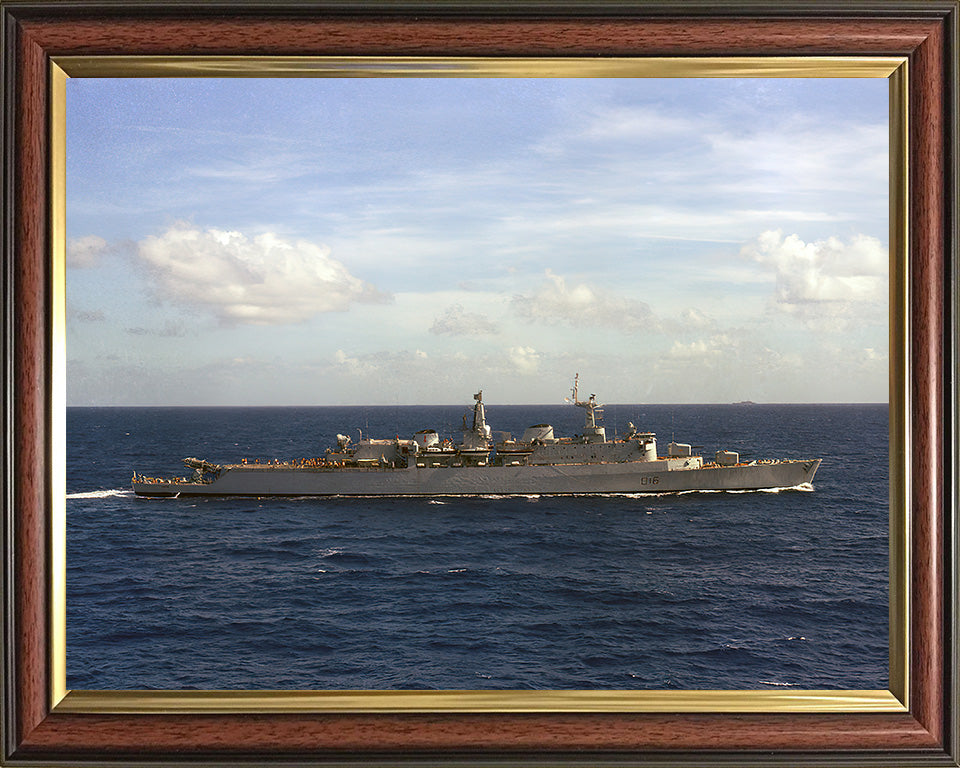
(537, 463)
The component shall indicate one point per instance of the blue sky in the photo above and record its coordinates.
(404, 240)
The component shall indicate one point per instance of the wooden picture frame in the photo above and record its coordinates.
(39, 730)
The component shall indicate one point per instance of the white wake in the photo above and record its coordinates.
(118, 492)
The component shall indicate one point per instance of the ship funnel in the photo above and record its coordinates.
(541, 432)
(426, 437)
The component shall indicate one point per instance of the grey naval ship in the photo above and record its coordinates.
(538, 463)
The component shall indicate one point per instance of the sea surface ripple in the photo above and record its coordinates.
(669, 591)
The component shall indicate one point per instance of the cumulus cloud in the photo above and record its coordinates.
(83, 252)
(830, 276)
(455, 321)
(709, 347)
(736, 364)
(693, 349)
(524, 359)
(354, 365)
(446, 373)
(693, 319)
(263, 280)
(556, 302)
(388, 375)
(741, 347)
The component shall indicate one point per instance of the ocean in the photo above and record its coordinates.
(736, 590)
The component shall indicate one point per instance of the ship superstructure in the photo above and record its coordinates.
(538, 463)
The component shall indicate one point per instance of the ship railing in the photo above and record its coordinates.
(144, 480)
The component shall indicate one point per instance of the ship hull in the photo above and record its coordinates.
(567, 479)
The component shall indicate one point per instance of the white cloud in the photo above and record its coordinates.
(353, 365)
(827, 276)
(693, 349)
(263, 280)
(524, 359)
(694, 318)
(631, 224)
(83, 252)
(396, 363)
(733, 365)
(257, 168)
(732, 345)
(804, 154)
(636, 123)
(598, 128)
(583, 304)
(455, 321)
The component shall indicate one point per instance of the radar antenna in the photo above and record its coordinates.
(593, 408)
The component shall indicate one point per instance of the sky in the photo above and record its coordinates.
(410, 241)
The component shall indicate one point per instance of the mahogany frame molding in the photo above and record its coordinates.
(925, 32)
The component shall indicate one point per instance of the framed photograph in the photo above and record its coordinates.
(535, 118)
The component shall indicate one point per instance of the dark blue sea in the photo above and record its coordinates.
(699, 590)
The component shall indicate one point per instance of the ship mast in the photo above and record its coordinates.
(592, 407)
